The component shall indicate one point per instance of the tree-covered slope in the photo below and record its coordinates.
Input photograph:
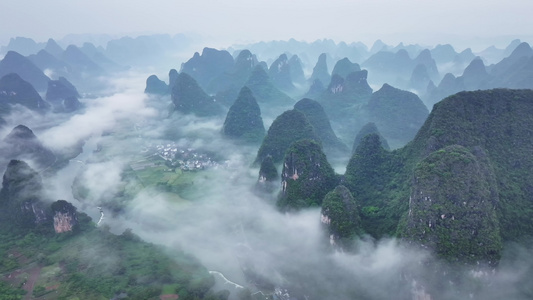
(53, 252)
(189, 98)
(501, 122)
(452, 206)
(320, 122)
(243, 121)
(286, 129)
(306, 176)
(397, 113)
(496, 122)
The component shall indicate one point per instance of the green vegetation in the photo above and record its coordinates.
(83, 261)
(341, 216)
(306, 177)
(398, 114)
(96, 264)
(268, 180)
(320, 122)
(495, 126)
(265, 91)
(189, 98)
(8, 292)
(243, 121)
(287, 128)
(369, 177)
(452, 206)
(366, 130)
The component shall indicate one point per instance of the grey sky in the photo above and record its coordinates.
(226, 22)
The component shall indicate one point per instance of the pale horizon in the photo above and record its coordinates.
(475, 24)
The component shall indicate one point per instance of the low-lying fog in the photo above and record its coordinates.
(229, 228)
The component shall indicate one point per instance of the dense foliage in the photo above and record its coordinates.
(265, 91)
(452, 206)
(496, 122)
(369, 176)
(243, 121)
(287, 128)
(306, 177)
(369, 128)
(398, 114)
(320, 122)
(189, 98)
(340, 215)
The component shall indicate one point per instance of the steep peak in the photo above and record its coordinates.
(378, 46)
(243, 120)
(424, 55)
(245, 61)
(320, 71)
(385, 88)
(53, 48)
(259, 75)
(344, 67)
(155, 86)
(290, 126)
(268, 171)
(522, 50)
(244, 54)
(20, 132)
(369, 128)
(172, 77)
(306, 177)
(13, 56)
(447, 80)
(475, 68)
(340, 217)
(15, 90)
(14, 62)
(402, 54)
(511, 47)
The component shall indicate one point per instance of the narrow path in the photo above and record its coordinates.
(30, 283)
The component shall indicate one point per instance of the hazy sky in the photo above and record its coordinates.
(230, 21)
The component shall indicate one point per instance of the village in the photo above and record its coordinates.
(186, 159)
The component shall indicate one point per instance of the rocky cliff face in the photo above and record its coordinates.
(268, 180)
(65, 216)
(280, 73)
(306, 177)
(452, 208)
(20, 196)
